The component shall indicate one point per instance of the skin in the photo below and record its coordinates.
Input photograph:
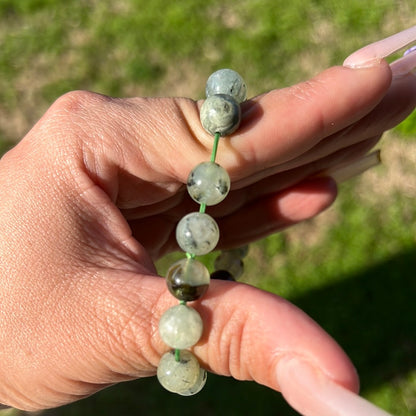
(91, 197)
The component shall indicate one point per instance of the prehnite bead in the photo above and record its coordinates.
(220, 114)
(184, 377)
(180, 327)
(208, 183)
(197, 233)
(230, 262)
(187, 279)
(199, 384)
(227, 81)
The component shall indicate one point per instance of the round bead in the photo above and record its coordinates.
(197, 233)
(228, 261)
(222, 275)
(187, 279)
(180, 327)
(183, 376)
(220, 114)
(199, 384)
(208, 183)
(227, 81)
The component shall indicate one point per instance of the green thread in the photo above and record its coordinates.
(177, 355)
(202, 208)
(215, 146)
(190, 255)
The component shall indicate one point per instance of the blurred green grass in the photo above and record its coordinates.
(351, 269)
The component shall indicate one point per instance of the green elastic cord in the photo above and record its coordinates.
(215, 146)
(202, 209)
(217, 137)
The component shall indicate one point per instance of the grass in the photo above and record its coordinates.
(351, 269)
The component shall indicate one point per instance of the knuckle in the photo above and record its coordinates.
(78, 101)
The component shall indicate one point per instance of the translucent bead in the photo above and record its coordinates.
(187, 279)
(228, 261)
(199, 384)
(220, 114)
(184, 377)
(180, 327)
(222, 275)
(208, 183)
(197, 233)
(227, 81)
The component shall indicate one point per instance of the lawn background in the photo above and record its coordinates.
(352, 268)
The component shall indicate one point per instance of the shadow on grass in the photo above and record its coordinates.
(372, 315)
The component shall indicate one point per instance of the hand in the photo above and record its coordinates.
(91, 196)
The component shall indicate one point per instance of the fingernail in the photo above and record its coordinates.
(405, 65)
(342, 173)
(371, 54)
(312, 393)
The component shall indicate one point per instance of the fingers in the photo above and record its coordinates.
(284, 124)
(312, 393)
(376, 51)
(250, 332)
(275, 212)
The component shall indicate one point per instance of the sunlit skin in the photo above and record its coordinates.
(91, 197)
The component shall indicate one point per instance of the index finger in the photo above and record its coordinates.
(283, 124)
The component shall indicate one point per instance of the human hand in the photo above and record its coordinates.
(91, 196)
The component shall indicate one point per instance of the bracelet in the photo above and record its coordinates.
(197, 233)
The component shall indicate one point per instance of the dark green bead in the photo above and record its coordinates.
(222, 275)
(187, 279)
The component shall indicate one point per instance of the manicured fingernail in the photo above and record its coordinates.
(343, 173)
(404, 65)
(410, 50)
(371, 54)
(312, 393)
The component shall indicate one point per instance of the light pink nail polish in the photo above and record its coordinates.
(312, 393)
(369, 55)
(405, 65)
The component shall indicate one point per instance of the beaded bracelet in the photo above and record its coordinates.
(197, 233)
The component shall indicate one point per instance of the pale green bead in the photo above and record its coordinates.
(197, 233)
(187, 279)
(220, 114)
(180, 376)
(230, 262)
(199, 384)
(226, 81)
(208, 183)
(180, 327)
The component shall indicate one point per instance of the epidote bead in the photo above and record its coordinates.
(184, 377)
(226, 81)
(228, 261)
(222, 275)
(180, 327)
(197, 233)
(208, 183)
(220, 114)
(187, 279)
